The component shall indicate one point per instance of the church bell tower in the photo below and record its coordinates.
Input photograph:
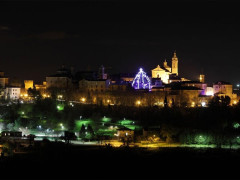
(175, 64)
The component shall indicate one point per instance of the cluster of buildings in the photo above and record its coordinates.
(164, 86)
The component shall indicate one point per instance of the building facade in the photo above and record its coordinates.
(94, 85)
(28, 84)
(222, 87)
(4, 81)
(61, 80)
(12, 93)
(164, 72)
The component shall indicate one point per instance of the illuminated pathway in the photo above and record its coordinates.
(145, 144)
(116, 143)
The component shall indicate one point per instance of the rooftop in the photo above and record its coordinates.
(222, 82)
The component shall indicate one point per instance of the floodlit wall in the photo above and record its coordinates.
(28, 84)
(143, 98)
(58, 82)
(94, 86)
(223, 89)
(12, 93)
(3, 82)
(160, 73)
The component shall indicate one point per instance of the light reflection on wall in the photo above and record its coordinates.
(209, 91)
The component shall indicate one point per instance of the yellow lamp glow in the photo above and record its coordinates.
(138, 102)
(83, 99)
(193, 104)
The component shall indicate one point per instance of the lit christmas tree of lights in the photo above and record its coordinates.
(141, 80)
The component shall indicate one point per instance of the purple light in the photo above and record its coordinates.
(141, 80)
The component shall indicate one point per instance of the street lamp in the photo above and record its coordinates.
(203, 104)
(138, 102)
(83, 99)
(62, 127)
(193, 104)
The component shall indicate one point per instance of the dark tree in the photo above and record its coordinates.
(90, 130)
(82, 132)
(173, 103)
(34, 93)
(165, 102)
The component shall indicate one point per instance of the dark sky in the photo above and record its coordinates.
(38, 37)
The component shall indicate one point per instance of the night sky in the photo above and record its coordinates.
(36, 37)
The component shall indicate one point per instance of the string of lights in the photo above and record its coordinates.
(141, 80)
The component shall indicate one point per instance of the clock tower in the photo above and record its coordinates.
(175, 64)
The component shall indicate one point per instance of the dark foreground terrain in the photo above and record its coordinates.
(61, 161)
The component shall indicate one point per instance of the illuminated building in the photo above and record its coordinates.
(161, 73)
(185, 96)
(222, 88)
(12, 93)
(164, 72)
(94, 85)
(61, 80)
(202, 78)
(3, 80)
(209, 91)
(175, 64)
(28, 84)
(125, 89)
(41, 87)
(197, 84)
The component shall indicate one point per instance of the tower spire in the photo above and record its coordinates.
(174, 54)
(175, 63)
(165, 63)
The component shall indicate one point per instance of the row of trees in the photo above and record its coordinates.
(218, 116)
(45, 110)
